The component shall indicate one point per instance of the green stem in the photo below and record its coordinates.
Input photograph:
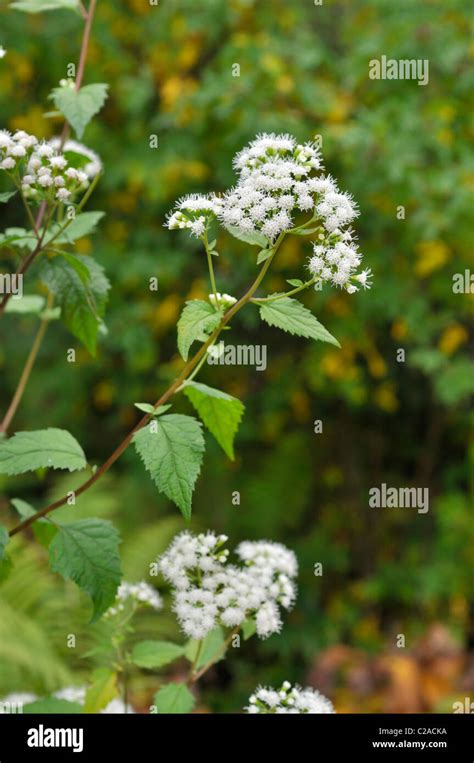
(172, 389)
(28, 367)
(275, 297)
(211, 267)
(195, 676)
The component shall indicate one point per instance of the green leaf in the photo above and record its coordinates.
(43, 529)
(4, 197)
(82, 304)
(249, 628)
(263, 255)
(82, 225)
(291, 316)
(28, 304)
(6, 567)
(102, 690)
(155, 654)
(79, 106)
(87, 553)
(255, 239)
(220, 412)
(52, 706)
(42, 449)
(77, 265)
(4, 538)
(19, 238)
(172, 447)
(198, 320)
(212, 649)
(295, 282)
(37, 6)
(174, 698)
(148, 408)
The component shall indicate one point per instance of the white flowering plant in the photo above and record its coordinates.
(219, 605)
(281, 190)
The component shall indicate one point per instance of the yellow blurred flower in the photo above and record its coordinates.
(385, 398)
(432, 255)
(399, 329)
(451, 338)
(103, 394)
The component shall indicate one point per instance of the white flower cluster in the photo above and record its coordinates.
(193, 212)
(279, 178)
(42, 171)
(208, 591)
(223, 300)
(274, 182)
(336, 259)
(288, 700)
(89, 161)
(75, 694)
(135, 593)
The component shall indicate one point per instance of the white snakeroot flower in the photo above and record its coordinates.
(279, 179)
(91, 163)
(141, 594)
(288, 700)
(209, 591)
(193, 212)
(336, 261)
(223, 300)
(3, 52)
(41, 168)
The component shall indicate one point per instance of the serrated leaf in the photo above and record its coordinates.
(102, 690)
(155, 654)
(19, 238)
(38, 6)
(52, 705)
(79, 106)
(255, 239)
(171, 448)
(174, 698)
(291, 316)
(211, 650)
(78, 266)
(4, 197)
(148, 408)
(295, 282)
(220, 412)
(82, 225)
(87, 553)
(41, 449)
(4, 538)
(197, 322)
(82, 304)
(43, 529)
(263, 255)
(28, 304)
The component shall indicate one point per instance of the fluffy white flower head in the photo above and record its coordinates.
(136, 594)
(288, 700)
(208, 591)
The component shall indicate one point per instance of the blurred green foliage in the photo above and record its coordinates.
(303, 70)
